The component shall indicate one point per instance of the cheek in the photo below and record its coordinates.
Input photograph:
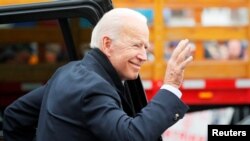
(123, 55)
(122, 62)
(119, 61)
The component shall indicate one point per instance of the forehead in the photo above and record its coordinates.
(135, 32)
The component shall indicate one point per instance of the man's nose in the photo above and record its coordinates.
(143, 56)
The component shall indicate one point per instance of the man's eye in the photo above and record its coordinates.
(136, 45)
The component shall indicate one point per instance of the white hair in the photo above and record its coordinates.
(111, 24)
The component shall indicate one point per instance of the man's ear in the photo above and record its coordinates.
(106, 44)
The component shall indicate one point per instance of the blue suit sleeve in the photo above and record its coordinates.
(107, 120)
(21, 117)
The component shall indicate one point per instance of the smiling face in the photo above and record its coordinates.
(127, 52)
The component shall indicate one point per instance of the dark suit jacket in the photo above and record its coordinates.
(86, 101)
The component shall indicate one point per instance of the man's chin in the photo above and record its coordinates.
(133, 77)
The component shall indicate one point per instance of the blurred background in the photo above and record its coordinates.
(216, 85)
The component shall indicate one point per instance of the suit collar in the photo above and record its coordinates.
(108, 72)
(112, 76)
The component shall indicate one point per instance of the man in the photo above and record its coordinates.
(88, 100)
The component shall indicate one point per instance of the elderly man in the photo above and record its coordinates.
(88, 100)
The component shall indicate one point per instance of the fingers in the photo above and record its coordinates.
(180, 58)
(182, 54)
(186, 62)
(180, 47)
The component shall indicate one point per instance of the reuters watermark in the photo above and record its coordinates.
(241, 132)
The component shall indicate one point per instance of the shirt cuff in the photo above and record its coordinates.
(172, 89)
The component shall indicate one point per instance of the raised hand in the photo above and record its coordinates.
(177, 63)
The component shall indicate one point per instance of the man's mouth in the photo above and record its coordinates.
(136, 65)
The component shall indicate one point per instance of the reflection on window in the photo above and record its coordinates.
(16, 54)
(32, 53)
